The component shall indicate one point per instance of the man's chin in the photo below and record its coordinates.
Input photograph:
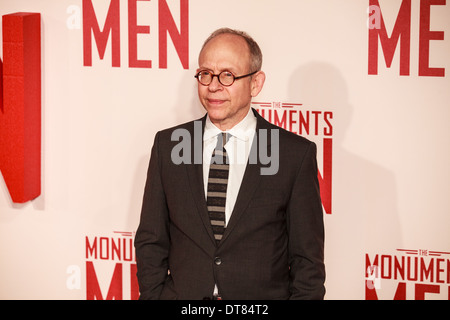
(216, 114)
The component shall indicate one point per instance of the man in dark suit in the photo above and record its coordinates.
(221, 219)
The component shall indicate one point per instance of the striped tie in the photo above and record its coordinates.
(217, 187)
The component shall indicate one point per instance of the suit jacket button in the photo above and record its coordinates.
(217, 261)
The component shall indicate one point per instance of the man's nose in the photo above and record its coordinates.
(215, 84)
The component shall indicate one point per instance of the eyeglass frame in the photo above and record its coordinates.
(218, 77)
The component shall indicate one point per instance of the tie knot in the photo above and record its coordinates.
(222, 140)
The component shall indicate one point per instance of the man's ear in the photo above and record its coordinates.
(257, 84)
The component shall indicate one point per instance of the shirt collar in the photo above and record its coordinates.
(243, 130)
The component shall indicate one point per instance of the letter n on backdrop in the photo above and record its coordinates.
(20, 106)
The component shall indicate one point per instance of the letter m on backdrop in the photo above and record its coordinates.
(401, 33)
(20, 106)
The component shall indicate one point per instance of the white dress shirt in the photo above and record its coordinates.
(238, 149)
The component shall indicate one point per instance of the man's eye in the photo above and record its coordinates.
(227, 74)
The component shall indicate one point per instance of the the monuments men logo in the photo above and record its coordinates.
(144, 44)
(408, 274)
(400, 38)
(315, 125)
(111, 267)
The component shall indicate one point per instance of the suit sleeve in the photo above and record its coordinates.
(152, 237)
(306, 232)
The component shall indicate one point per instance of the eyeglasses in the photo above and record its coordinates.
(226, 78)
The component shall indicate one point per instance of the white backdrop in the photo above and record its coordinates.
(390, 143)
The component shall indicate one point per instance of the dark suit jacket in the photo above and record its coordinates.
(272, 247)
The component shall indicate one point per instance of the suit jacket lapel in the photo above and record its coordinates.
(250, 180)
(195, 175)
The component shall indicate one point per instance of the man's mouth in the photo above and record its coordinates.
(215, 102)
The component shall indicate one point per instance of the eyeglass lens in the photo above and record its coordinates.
(226, 78)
